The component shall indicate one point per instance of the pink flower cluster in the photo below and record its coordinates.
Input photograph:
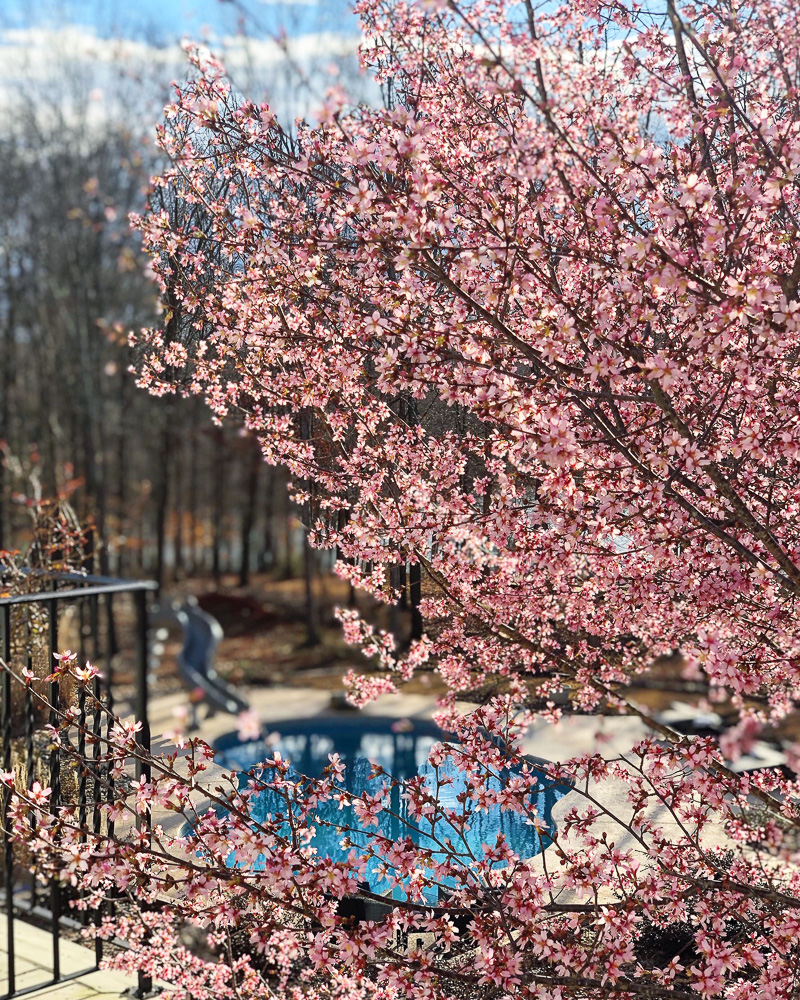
(532, 327)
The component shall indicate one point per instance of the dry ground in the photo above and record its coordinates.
(266, 643)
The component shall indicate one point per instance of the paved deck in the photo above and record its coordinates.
(274, 705)
(33, 950)
(573, 735)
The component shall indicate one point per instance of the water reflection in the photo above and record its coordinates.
(364, 741)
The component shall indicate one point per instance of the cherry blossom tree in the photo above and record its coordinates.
(532, 326)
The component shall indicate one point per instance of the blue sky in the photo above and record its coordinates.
(102, 43)
(161, 22)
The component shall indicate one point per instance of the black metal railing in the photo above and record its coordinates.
(29, 630)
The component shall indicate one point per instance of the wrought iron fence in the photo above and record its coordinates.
(29, 626)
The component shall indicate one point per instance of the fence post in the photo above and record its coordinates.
(8, 856)
(142, 708)
(53, 599)
(55, 783)
(143, 771)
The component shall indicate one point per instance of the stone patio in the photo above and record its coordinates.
(33, 950)
(572, 736)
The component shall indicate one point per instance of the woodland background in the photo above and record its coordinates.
(167, 493)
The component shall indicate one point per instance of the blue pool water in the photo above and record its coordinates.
(361, 741)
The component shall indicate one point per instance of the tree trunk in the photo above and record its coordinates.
(178, 507)
(312, 615)
(415, 596)
(218, 477)
(266, 557)
(249, 513)
(6, 373)
(162, 494)
(309, 561)
(194, 556)
(124, 526)
(288, 538)
(394, 609)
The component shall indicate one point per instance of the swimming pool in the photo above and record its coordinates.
(401, 749)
